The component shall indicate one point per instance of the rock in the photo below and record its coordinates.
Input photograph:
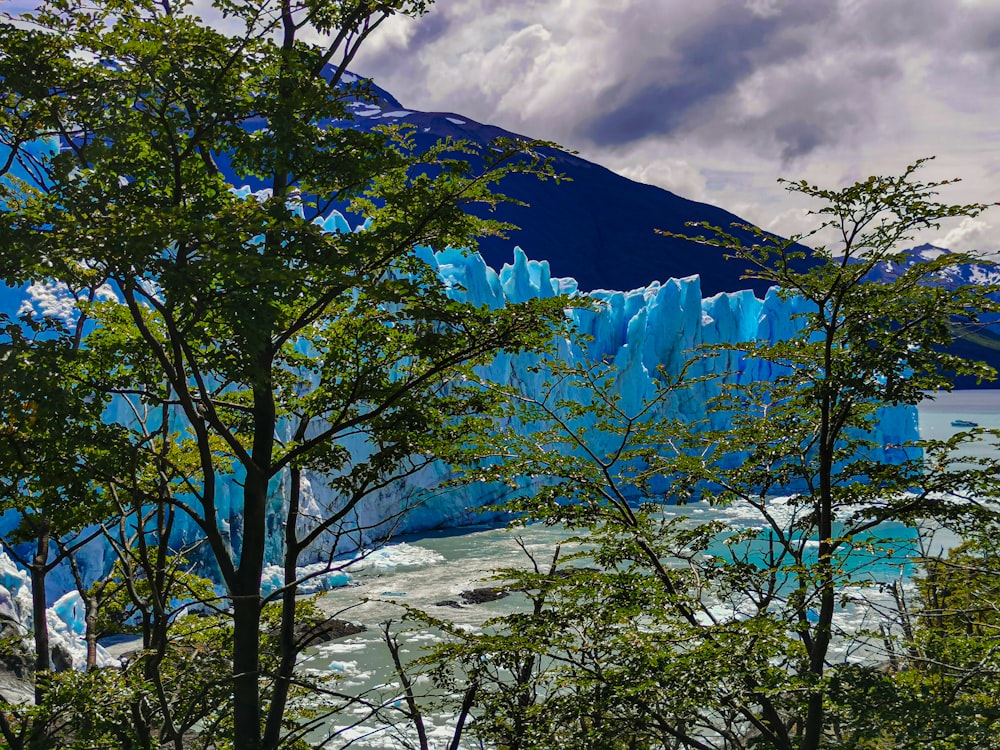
(122, 645)
(17, 665)
(314, 633)
(448, 603)
(483, 595)
(62, 659)
(16, 690)
(11, 630)
(15, 659)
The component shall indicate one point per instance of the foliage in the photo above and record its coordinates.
(939, 687)
(53, 438)
(951, 660)
(863, 346)
(131, 707)
(55, 452)
(672, 632)
(960, 592)
(245, 337)
(127, 595)
(80, 710)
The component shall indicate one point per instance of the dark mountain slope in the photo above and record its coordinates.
(597, 227)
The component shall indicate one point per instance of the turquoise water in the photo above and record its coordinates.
(936, 414)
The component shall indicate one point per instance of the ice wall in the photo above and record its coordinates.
(641, 331)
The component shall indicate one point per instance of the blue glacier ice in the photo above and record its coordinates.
(641, 331)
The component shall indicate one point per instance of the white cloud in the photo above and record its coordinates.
(675, 175)
(50, 300)
(716, 100)
(971, 235)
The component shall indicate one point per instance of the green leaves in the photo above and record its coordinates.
(54, 443)
(236, 334)
(681, 630)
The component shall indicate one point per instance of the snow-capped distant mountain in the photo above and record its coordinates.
(981, 343)
(969, 273)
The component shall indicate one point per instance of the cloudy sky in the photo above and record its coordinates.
(716, 99)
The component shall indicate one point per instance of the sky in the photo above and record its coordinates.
(717, 99)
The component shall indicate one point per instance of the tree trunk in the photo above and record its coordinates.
(246, 671)
(246, 615)
(38, 569)
(90, 605)
(816, 711)
(287, 651)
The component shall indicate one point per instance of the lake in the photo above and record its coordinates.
(427, 571)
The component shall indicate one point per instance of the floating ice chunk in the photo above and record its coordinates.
(394, 556)
(313, 578)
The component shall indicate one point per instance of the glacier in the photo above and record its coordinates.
(642, 332)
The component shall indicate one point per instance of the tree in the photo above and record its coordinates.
(677, 633)
(282, 348)
(945, 688)
(864, 345)
(54, 451)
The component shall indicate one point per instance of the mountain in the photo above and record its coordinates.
(981, 343)
(599, 227)
(596, 227)
(968, 273)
